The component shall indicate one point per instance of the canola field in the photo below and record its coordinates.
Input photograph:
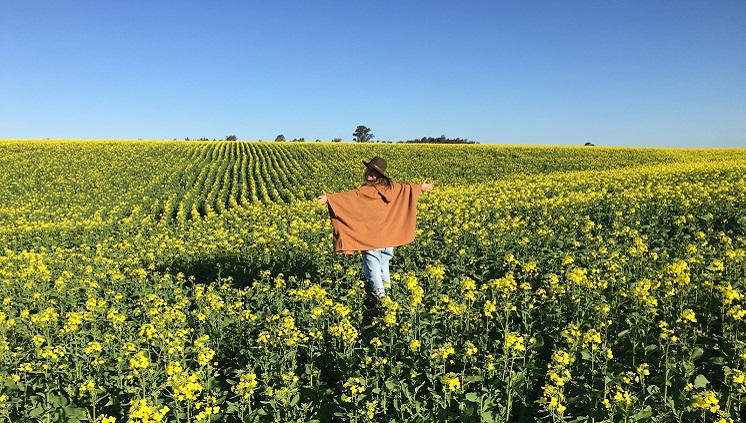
(195, 282)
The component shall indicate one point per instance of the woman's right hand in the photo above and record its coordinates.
(321, 199)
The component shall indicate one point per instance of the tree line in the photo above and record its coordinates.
(363, 134)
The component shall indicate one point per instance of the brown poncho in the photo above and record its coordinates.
(372, 217)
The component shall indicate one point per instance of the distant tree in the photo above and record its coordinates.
(301, 139)
(231, 138)
(362, 134)
(440, 140)
(318, 140)
(337, 140)
(280, 138)
(589, 144)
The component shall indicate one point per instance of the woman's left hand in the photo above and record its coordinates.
(321, 199)
(427, 186)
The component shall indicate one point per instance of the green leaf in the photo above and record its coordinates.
(295, 400)
(36, 412)
(718, 361)
(538, 341)
(697, 353)
(488, 416)
(472, 396)
(700, 381)
(643, 414)
(74, 413)
(469, 410)
(474, 378)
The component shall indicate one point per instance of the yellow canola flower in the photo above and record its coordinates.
(553, 399)
(53, 352)
(490, 307)
(316, 312)
(609, 354)
(74, 320)
(737, 312)
(88, 385)
(514, 342)
(444, 351)
(246, 386)
(470, 349)
(344, 330)
(562, 358)
(666, 333)
(436, 272)
(688, 316)
(139, 361)
(354, 386)
(643, 369)
(451, 382)
(623, 397)
(38, 340)
(729, 293)
(370, 409)
(141, 412)
(592, 338)
(93, 347)
(737, 379)
(185, 385)
(707, 400)
(205, 356)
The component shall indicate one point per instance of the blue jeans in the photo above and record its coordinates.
(376, 269)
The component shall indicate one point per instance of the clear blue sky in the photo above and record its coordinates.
(639, 73)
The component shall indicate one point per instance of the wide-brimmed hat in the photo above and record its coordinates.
(378, 164)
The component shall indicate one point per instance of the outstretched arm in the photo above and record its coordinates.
(427, 186)
(321, 199)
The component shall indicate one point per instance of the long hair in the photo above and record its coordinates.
(381, 180)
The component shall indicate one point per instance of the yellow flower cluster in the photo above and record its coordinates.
(707, 400)
(142, 412)
(355, 386)
(688, 315)
(344, 330)
(514, 343)
(246, 386)
(666, 333)
(443, 351)
(451, 382)
(185, 385)
(139, 362)
(558, 372)
(737, 378)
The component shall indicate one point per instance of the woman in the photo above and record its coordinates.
(374, 218)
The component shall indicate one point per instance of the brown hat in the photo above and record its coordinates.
(378, 164)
